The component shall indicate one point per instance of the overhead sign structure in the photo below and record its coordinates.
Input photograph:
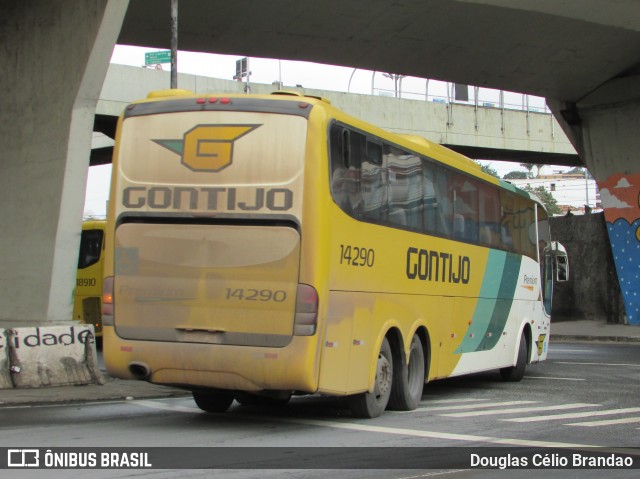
(242, 68)
(154, 58)
(242, 71)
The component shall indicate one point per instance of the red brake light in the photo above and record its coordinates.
(306, 317)
(107, 296)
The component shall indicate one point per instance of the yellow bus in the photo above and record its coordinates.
(87, 306)
(264, 246)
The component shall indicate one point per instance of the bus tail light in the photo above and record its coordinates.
(107, 296)
(306, 318)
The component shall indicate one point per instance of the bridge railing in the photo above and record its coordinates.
(448, 92)
(481, 97)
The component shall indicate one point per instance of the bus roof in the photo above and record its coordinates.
(94, 224)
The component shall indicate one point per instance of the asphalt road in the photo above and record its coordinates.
(585, 394)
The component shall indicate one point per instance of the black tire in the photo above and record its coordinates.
(373, 404)
(516, 373)
(248, 399)
(213, 402)
(406, 391)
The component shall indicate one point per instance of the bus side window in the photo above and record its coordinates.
(489, 220)
(444, 191)
(507, 222)
(345, 170)
(375, 180)
(545, 258)
(414, 205)
(518, 218)
(527, 220)
(405, 189)
(336, 148)
(429, 198)
(374, 153)
(465, 209)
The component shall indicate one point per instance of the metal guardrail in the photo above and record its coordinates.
(481, 97)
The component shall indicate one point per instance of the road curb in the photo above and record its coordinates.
(588, 338)
(114, 390)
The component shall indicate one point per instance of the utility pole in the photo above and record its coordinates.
(174, 43)
(586, 188)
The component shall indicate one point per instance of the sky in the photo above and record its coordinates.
(292, 73)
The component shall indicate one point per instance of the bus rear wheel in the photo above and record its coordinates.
(516, 373)
(214, 401)
(409, 379)
(373, 404)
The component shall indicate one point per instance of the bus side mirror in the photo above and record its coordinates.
(560, 262)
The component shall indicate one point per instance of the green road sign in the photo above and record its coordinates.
(153, 58)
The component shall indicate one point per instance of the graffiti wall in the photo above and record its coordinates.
(620, 196)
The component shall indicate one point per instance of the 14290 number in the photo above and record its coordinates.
(357, 256)
(242, 294)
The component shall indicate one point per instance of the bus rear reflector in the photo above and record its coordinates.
(306, 317)
(107, 296)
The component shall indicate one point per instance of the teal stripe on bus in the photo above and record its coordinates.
(505, 301)
(486, 302)
(494, 304)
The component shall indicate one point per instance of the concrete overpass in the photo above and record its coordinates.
(579, 54)
(479, 132)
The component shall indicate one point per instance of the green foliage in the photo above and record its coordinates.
(529, 168)
(579, 170)
(516, 175)
(489, 170)
(546, 197)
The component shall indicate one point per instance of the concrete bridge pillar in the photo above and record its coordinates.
(604, 130)
(54, 56)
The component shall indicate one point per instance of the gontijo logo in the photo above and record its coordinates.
(207, 147)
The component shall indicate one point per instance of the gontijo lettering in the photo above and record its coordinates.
(210, 198)
(426, 265)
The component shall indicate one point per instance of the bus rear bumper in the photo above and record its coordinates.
(200, 366)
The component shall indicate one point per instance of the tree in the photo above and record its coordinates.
(546, 197)
(579, 170)
(488, 169)
(538, 167)
(516, 175)
(528, 167)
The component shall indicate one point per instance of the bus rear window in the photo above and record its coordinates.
(90, 248)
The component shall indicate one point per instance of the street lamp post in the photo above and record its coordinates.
(397, 79)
